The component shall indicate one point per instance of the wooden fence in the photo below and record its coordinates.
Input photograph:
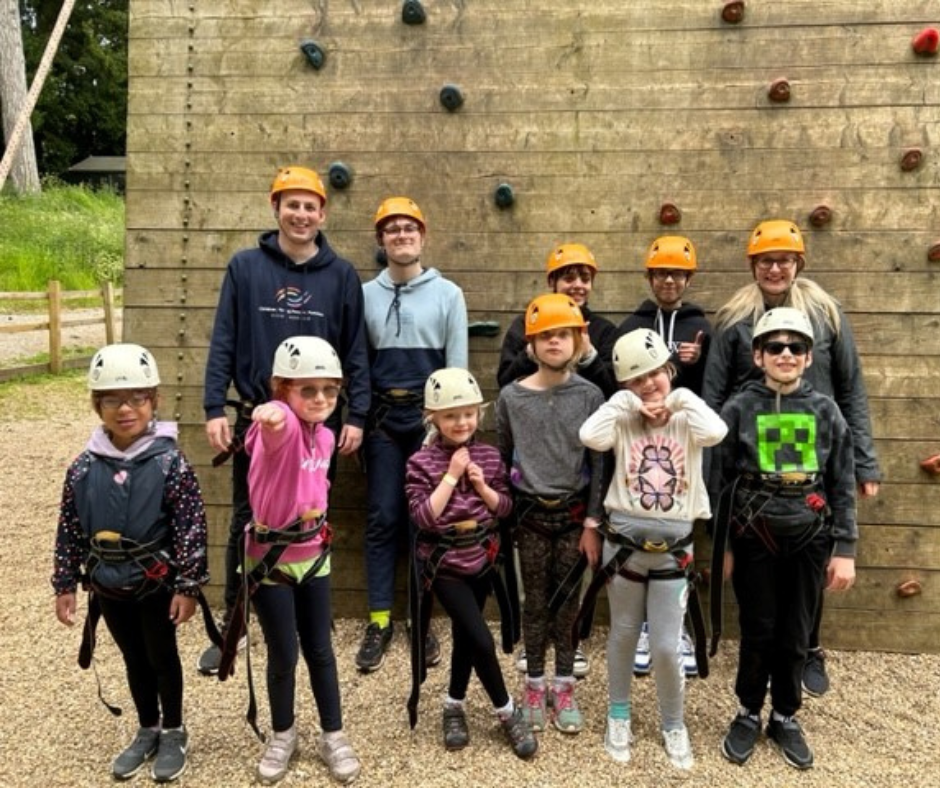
(57, 320)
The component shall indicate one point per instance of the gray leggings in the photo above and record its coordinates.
(662, 603)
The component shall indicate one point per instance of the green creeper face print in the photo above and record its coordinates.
(786, 442)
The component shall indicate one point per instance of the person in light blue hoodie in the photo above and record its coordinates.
(416, 321)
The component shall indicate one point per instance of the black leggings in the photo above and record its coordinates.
(285, 613)
(473, 646)
(147, 638)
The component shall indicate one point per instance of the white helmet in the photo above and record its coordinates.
(123, 366)
(306, 357)
(783, 318)
(637, 353)
(451, 388)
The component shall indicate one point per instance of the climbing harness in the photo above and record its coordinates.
(243, 409)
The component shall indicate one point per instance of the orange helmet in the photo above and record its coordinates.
(288, 178)
(775, 235)
(550, 312)
(564, 255)
(399, 206)
(671, 251)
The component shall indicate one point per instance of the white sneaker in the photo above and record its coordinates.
(617, 739)
(277, 755)
(582, 665)
(689, 665)
(679, 748)
(522, 663)
(641, 662)
(337, 753)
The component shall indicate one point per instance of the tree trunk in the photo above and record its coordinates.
(24, 173)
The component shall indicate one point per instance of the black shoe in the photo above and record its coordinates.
(519, 734)
(456, 734)
(815, 680)
(741, 739)
(787, 736)
(432, 651)
(375, 643)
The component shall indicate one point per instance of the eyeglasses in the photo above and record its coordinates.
(796, 348)
(312, 392)
(662, 274)
(400, 229)
(784, 265)
(136, 399)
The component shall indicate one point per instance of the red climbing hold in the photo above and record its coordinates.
(733, 11)
(669, 213)
(932, 465)
(926, 42)
(911, 159)
(779, 90)
(933, 253)
(820, 216)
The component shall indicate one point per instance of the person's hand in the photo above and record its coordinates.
(459, 461)
(868, 489)
(65, 609)
(182, 608)
(219, 433)
(728, 565)
(350, 439)
(656, 413)
(587, 347)
(475, 476)
(690, 352)
(591, 542)
(840, 573)
(269, 416)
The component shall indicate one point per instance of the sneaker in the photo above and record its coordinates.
(277, 755)
(689, 665)
(617, 739)
(641, 662)
(679, 748)
(208, 663)
(456, 734)
(170, 762)
(787, 736)
(565, 712)
(432, 650)
(815, 679)
(141, 750)
(534, 707)
(522, 662)
(337, 753)
(741, 739)
(375, 643)
(582, 665)
(519, 734)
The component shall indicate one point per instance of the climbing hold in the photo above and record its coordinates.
(733, 11)
(908, 588)
(669, 213)
(933, 253)
(314, 54)
(451, 97)
(820, 216)
(932, 465)
(926, 42)
(779, 90)
(483, 328)
(340, 175)
(504, 196)
(412, 13)
(911, 159)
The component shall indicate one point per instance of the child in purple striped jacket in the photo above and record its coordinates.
(457, 489)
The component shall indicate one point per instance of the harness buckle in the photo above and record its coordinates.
(259, 528)
(550, 503)
(655, 547)
(465, 526)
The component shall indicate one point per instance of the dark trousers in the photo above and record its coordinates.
(143, 632)
(778, 596)
(473, 646)
(292, 613)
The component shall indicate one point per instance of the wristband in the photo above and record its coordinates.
(448, 479)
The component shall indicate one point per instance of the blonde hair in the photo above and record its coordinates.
(572, 365)
(807, 296)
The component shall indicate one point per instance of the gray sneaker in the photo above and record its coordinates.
(170, 762)
(141, 750)
(208, 663)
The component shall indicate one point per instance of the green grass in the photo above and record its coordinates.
(40, 396)
(69, 233)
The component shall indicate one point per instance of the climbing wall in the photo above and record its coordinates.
(518, 124)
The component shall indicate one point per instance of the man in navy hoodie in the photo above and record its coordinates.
(292, 283)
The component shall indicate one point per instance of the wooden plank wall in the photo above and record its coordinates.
(596, 113)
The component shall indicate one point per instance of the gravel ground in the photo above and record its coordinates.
(875, 728)
(24, 344)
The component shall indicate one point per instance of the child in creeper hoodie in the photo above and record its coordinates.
(558, 490)
(787, 476)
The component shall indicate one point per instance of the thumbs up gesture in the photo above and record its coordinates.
(690, 352)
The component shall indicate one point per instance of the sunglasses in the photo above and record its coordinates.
(312, 392)
(795, 348)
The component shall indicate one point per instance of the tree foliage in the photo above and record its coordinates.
(82, 110)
